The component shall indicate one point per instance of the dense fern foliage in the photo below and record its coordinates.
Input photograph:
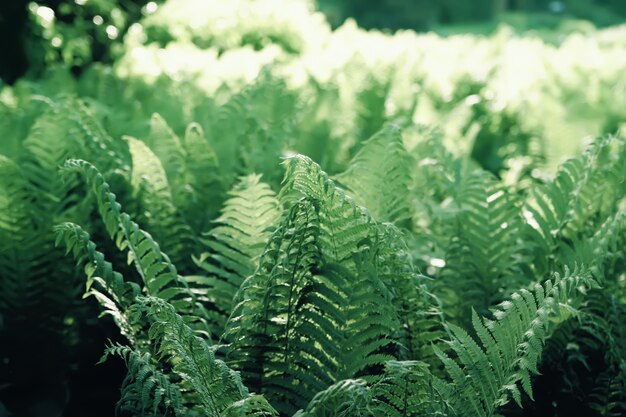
(269, 218)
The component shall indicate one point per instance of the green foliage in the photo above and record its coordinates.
(145, 389)
(511, 345)
(78, 33)
(382, 165)
(427, 253)
(158, 274)
(235, 245)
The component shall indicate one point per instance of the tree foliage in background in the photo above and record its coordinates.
(424, 15)
(35, 34)
(76, 33)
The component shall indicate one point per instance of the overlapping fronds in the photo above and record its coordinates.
(343, 223)
(608, 398)
(158, 274)
(216, 386)
(321, 307)
(234, 245)
(407, 388)
(346, 398)
(24, 253)
(204, 190)
(168, 148)
(274, 357)
(488, 374)
(156, 204)
(583, 194)
(108, 286)
(146, 390)
(381, 278)
(484, 260)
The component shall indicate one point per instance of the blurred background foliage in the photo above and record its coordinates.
(78, 32)
(426, 15)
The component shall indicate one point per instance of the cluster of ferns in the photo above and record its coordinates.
(411, 283)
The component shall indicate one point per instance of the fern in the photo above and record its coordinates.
(168, 148)
(235, 244)
(216, 386)
(16, 235)
(343, 223)
(608, 398)
(385, 284)
(320, 306)
(264, 324)
(205, 185)
(510, 346)
(158, 274)
(346, 398)
(32, 294)
(153, 192)
(554, 209)
(379, 176)
(407, 389)
(146, 390)
(346, 230)
(483, 375)
(110, 289)
(485, 258)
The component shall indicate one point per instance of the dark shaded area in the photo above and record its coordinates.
(13, 61)
(50, 371)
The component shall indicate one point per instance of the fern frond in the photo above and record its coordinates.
(608, 397)
(235, 244)
(365, 324)
(30, 290)
(263, 328)
(408, 389)
(603, 186)
(603, 251)
(159, 275)
(154, 194)
(567, 206)
(486, 375)
(168, 148)
(110, 289)
(343, 223)
(347, 398)
(485, 258)
(301, 324)
(548, 210)
(379, 175)
(217, 386)
(146, 390)
(418, 310)
(204, 190)
(251, 406)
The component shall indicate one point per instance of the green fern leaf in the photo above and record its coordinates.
(160, 215)
(235, 245)
(379, 176)
(110, 289)
(485, 376)
(146, 390)
(204, 189)
(216, 385)
(158, 274)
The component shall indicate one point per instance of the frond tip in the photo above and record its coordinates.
(486, 375)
